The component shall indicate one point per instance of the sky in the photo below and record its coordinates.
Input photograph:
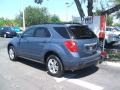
(11, 8)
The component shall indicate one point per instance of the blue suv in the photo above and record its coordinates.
(59, 46)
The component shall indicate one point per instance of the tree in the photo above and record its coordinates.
(109, 20)
(2, 21)
(34, 15)
(80, 9)
(55, 19)
(118, 13)
(117, 24)
(7, 22)
(97, 13)
(90, 7)
(38, 1)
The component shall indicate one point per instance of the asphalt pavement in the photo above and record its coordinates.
(28, 75)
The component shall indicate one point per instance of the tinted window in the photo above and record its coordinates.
(0, 28)
(62, 31)
(81, 32)
(29, 32)
(7, 28)
(42, 32)
(108, 29)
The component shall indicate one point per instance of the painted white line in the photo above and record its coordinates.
(85, 84)
(58, 80)
(112, 64)
(63, 78)
(79, 82)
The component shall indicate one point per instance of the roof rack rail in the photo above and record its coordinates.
(61, 23)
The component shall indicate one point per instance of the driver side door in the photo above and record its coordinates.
(24, 45)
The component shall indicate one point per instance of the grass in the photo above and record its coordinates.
(113, 55)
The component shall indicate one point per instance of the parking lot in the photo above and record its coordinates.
(28, 75)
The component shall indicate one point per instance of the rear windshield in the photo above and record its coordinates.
(81, 32)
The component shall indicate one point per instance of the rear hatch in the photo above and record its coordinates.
(86, 40)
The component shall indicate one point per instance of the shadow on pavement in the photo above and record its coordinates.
(68, 74)
(33, 64)
(82, 73)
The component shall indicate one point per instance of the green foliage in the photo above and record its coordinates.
(33, 15)
(114, 55)
(2, 21)
(38, 1)
(109, 20)
(55, 19)
(36, 15)
(7, 22)
(116, 2)
(117, 24)
(97, 13)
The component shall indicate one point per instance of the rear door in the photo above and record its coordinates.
(86, 40)
(41, 38)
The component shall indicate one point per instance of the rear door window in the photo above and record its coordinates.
(42, 32)
(62, 31)
(81, 32)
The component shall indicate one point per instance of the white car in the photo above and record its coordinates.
(112, 35)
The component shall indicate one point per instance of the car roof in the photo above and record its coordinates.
(110, 27)
(5, 26)
(58, 24)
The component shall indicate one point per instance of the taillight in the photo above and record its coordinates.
(71, 45)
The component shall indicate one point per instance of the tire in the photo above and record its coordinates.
(12, 53)
(54, 66)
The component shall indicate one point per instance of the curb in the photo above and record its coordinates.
(114, 64)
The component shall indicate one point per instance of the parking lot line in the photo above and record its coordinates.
(85, 84)
(58, 80)
(78, 82)
(114, 64)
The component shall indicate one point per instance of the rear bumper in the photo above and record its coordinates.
(80, 63)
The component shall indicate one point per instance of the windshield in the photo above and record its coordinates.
(16, 29)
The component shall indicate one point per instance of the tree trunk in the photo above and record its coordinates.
(111, 10)
(79, 7)
(90, 7)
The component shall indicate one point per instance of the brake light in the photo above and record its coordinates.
(71, 45)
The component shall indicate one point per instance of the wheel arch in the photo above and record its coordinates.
(9, 45)
(52, 53)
